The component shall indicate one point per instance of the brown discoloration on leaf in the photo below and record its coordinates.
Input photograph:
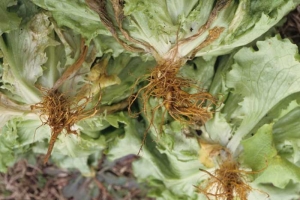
(114, 108)
(213, 35)
(98, 78)
(73, 68)
(99, 6)
(220, 5)
(208, 151)
(119, 15)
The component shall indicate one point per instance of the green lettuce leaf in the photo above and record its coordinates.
(261, 155)
(23, 52)
(9, 20)
(286, 133)
(75, 15)
(263, 78)
(129, 70)
(16, 138)
(170, 173)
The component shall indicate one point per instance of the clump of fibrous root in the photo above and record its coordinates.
(165, 84)
(60, 112)
(171, 90)
(228, 182)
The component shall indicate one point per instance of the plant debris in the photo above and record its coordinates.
(26, 181)
(112, 180)
(291, 28)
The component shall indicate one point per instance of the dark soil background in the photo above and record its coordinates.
(112, 180)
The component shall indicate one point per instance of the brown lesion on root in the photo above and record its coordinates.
(119, 16)
(228, 182)
(213, 34)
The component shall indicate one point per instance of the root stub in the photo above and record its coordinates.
(227, 183)
(61, 113)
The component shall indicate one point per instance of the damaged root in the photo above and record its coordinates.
(60, 112)
(228, 182)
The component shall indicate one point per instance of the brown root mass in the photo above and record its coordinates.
(189, 108)
(61, 113)
(227, 182)
(164, 84)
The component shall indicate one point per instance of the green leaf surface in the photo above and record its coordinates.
(23, 51)
(16, 138)
(129, 70)
(263, 77)
(279, 172)
(75, 15)
(260, 154)
(260, 148)
(9, 20)
(286, 133)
